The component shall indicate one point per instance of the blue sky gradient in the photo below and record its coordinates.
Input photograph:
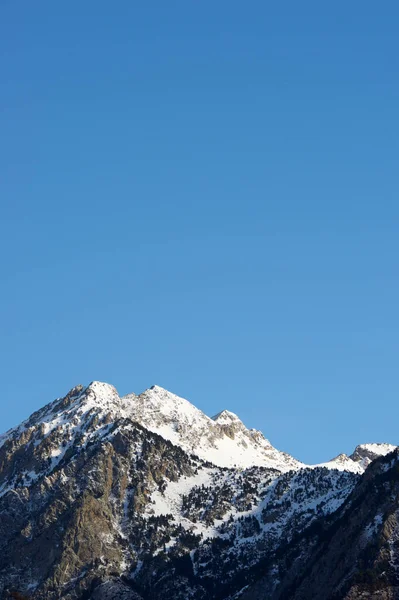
(204, 196)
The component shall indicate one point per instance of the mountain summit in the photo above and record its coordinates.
(223, 440)
(144, 497)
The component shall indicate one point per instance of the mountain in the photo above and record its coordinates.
(358, 462)
(223, 440)
(145, 497)
(354, 553)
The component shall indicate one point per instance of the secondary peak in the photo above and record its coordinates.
(225, 417)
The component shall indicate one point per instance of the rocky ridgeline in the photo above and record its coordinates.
(145, 497)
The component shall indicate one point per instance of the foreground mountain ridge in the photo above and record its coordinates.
(146, 497)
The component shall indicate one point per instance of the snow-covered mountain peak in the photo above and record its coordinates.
(103, 394)
(100, 398)
(343, 462)
(158, 409)
(232, 425)
(364, 454)
(102, 389)
(358, 462)
(88, 412)
(223, 440)
(225, 417)
(159, 390)
(376, 448)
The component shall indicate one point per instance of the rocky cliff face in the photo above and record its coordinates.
(354, 553)
(145, 497)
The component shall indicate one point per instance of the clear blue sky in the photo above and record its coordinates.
(204, 195)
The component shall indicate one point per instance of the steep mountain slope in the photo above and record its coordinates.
(355, 552)
(145, 497)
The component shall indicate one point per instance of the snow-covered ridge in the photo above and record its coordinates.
(358, 462)
(86, 413)
(342, 462)
(222, 440)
